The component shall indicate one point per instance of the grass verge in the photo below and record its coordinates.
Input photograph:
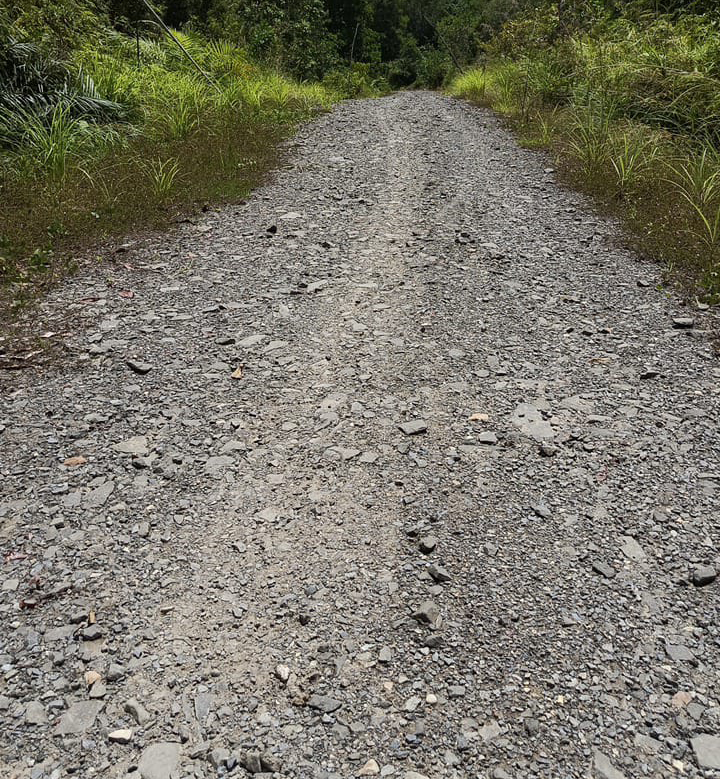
(141, 137)
(630, 124)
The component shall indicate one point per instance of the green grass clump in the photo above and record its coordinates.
(472, 85)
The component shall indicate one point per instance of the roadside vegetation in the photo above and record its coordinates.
(125, 132)
(630, 105)
(116, 115)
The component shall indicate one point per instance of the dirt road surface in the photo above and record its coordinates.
(404, 468)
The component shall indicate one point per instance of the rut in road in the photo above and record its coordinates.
(267, 574)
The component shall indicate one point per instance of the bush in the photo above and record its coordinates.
(57, 26)
(357, 81)
(435, 68)
(632, 109)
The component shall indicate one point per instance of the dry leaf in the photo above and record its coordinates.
(73, 462)
(237, 374)
(479, 418)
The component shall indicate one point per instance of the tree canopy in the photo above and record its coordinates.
(308, 38)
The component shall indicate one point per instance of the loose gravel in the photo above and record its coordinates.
(405, 468)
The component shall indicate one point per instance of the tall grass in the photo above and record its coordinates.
(632, 112)
(169, 137)
(697, 179)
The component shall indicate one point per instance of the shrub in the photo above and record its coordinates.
(435, 68)
(632, 109)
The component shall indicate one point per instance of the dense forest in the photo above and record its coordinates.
(404, 40)
(184, 103)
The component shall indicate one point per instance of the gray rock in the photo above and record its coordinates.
(324, 703)
(488, 438)
(160, 761)
(528, 419)
(649, 745)
(414, 427)
(707, 750)
(632, 549)
(601, 567)
(137, 446)
(91, 632)
(427, 544)
(704, 575)
(603, 768)
(79, 718)
(439, 574)
(203, 704)
(385, 655)
(98, 690)
(683, 322)
(270, 764)
(679, 653)
(98, 497)
(216, 464)
(35, 713)
(490, 731)
(137, 711)
(427, 612)
(412, 703)
(115, 672)
(218, 757)
(541, 510)
(251, 762)
(256, 762)
(139, 367)
(252, 340)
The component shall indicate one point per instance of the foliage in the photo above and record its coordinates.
(40, 90)
(357, 81)
(104, 139)
(630, 103)
(55, 25)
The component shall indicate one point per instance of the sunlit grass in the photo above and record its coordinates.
(632, 113)
(185, 136)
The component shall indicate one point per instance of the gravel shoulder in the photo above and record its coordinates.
(404, 468)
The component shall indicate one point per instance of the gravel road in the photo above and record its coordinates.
(403, 468)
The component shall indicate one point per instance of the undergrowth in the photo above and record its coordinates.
(631, 109)
(125, 134)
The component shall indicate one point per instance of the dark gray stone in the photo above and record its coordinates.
(414, 427)
(704, 575)
(324, 703)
